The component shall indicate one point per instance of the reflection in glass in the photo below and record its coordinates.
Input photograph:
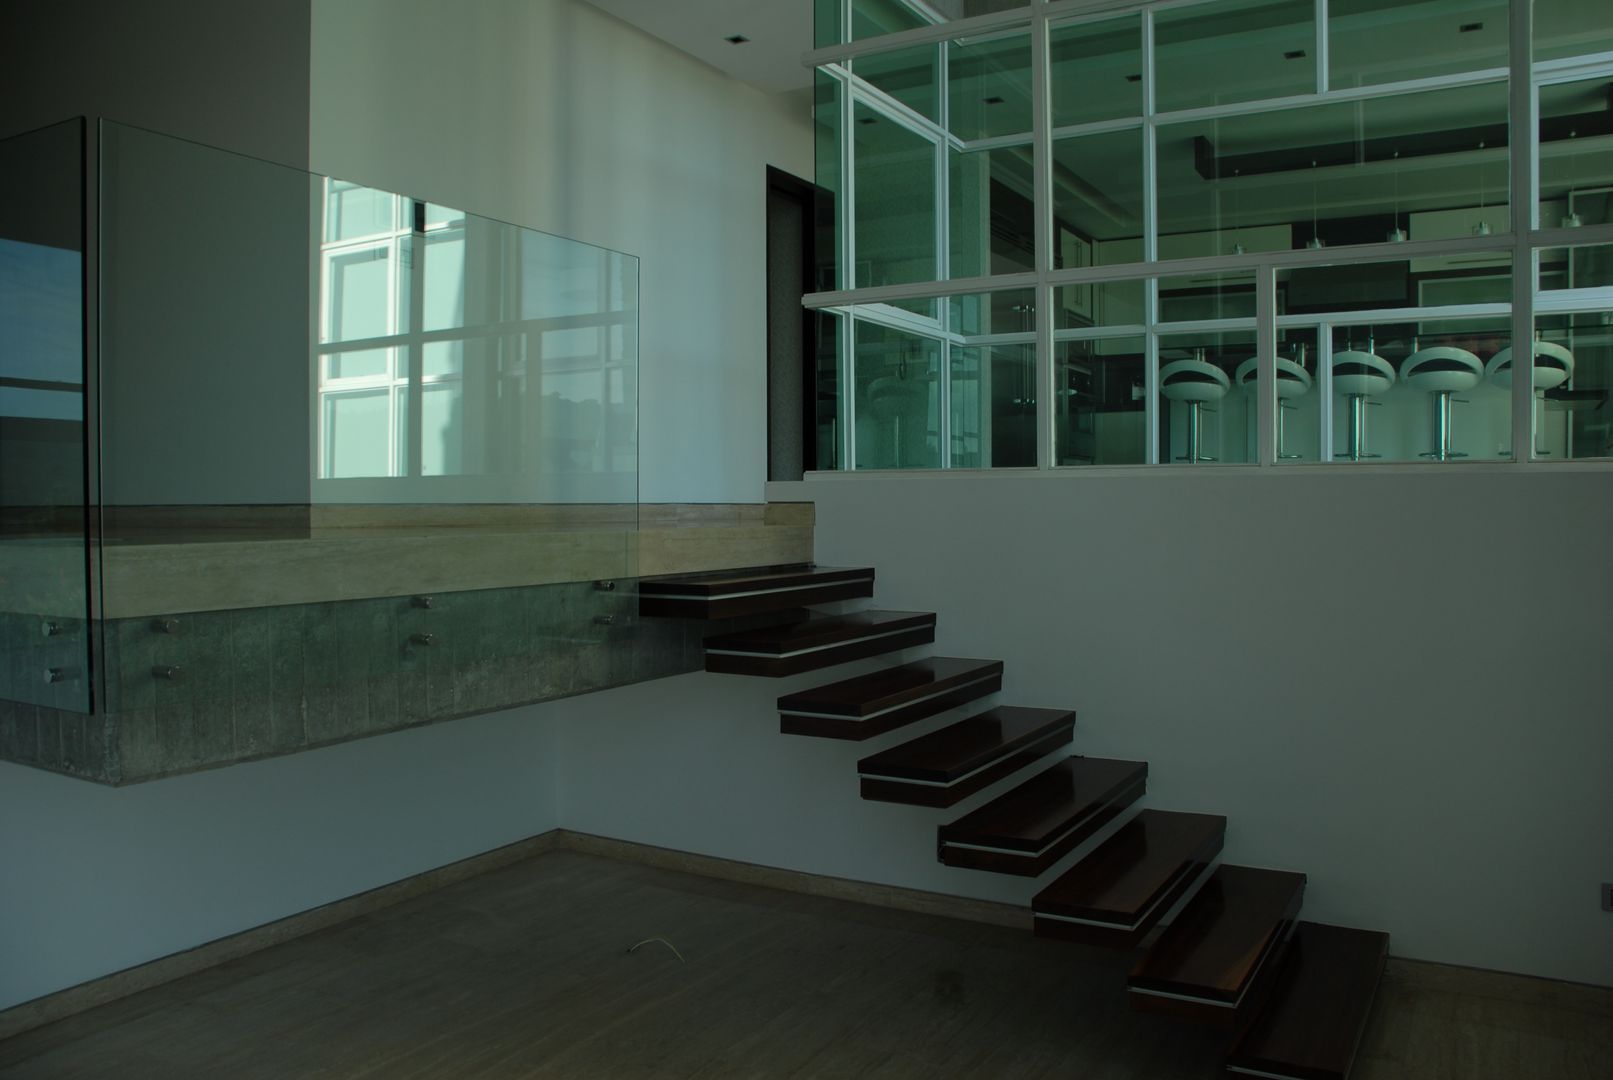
(989, 86)
(993, 407)
(1098, 303)
(897, 398)
(871, 18)
(1587, 267)
(1233, 50)
(44, 597)
(1383, 41)
(895, 204)
(1095, 71)
(1099, 415)
(1007, 311)
(1433, 165)
(992, 223)
(1574, 374)
(357, 434)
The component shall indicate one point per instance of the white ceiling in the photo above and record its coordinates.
(779, 31)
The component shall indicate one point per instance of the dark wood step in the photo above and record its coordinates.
(1211, 960)
(726, 594)
(1319, 1006)
(816, 642)
(947, 766)
(884, 700)
(1118, 893)
(1030, 827)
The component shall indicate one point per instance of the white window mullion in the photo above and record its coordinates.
(1042, 241)
(1523, 109)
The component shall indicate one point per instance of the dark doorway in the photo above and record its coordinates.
(792, 205)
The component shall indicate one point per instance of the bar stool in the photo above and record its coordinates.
(1360, 375)
(1553, 366)
(1442, 371)
(1293, 381)
(1195, 381)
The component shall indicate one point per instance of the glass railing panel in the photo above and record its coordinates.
(45, 629)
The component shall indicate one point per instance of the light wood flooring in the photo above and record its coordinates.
(525, 971)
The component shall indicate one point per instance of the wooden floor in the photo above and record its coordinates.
(526, 972)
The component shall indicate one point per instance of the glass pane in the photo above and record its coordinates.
(989, 86)
(993, 407)
(1100, 303)
(363, 364)
(895, 202)
(1571, 28)
(445, 280)
(831, 337)
(1588, 267)
(1203, 418)
(1573, 375)
(827, 142)
(911, 76)
(1098, 199)
(1234, 50)
(871, 18)
(45, 634)
(1358, 286)
(1009, 311)
(1095, 71)
(442, 429)
(993, 222)
(1423, 389)
(898, 401)
(1099, 416)
(1381, 41)
(358, 303)
(352, 211)
(1576, 163)
(826, 22)
(358, 434)
(1299, 402)
(1432, 164)
(1196, 297)
(443, 358)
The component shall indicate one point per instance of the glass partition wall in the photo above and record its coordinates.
(1272, 232)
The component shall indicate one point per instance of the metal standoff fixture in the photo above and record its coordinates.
(423, 639)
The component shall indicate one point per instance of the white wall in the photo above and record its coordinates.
(1395, 683)
(100, 879)
(552, 115)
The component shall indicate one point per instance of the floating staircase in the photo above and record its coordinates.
(1219, 943)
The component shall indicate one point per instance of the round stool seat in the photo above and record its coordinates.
(1442, 369)
(890, 397)
(1364, 373)
(1193, 380)
(1292, 379)
(1554, 365)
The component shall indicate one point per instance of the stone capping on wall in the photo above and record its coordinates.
(1500, 986)
(170, 560)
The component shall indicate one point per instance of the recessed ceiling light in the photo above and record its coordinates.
(1468, 28)
(993, 100)
(868, 120)
(1134, 78)
(1296, 54)
(736, 39)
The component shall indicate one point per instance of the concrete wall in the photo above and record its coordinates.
(1396, 683)
(555, 116)
(99, 879)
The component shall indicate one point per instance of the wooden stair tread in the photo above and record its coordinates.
(961, 748)
(815, 641)
(1319, 1006)
(947, 766)
(751, 590)
(1030, 827)
(1126, 884)
(880, 701)
(1214, 949)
